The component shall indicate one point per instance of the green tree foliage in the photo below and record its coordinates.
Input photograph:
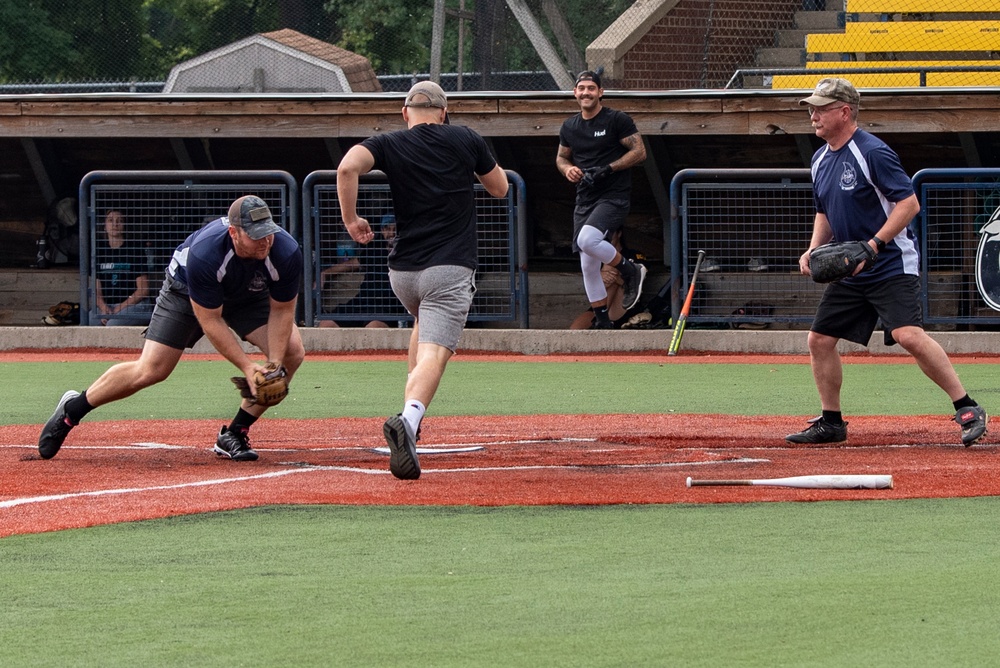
(107, 36)
(123, 40)
(183, 29)
(32, 48)
(394, 34)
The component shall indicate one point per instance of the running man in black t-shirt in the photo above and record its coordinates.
(432, 167)
(597, 147)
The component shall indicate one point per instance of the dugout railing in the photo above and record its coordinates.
(359, 294)
(755, 224)
(955, 207)
(161, 208)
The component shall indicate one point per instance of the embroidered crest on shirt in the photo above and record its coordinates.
(849, 178)
(257, 283)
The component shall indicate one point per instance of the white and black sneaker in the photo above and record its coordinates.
(633, 276)
(234, 445)
(403, 462)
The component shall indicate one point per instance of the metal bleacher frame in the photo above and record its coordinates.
(502, 280)
(149, 199)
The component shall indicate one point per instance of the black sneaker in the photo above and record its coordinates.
(234, 445)
(403, 462)
(972, 420)
(633, 276)
(56, 429)
(601, 324)
(821, 431)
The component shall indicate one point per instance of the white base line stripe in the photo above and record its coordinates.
(134, 490)
(300, 468)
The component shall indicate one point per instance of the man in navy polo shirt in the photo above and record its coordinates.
(238, 277)
(862, 193)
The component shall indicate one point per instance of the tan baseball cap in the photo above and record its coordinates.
(251, 213)
(833, 90)
(426, 94)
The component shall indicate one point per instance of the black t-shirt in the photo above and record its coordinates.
(431, 170)
(118, 268)
(598, 142)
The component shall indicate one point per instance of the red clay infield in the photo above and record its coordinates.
(120, 471)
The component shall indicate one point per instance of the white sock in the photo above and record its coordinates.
(413, 413)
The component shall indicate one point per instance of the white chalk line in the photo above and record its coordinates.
(303, 467)
(542, 467)
(147, 445)
(10, 503)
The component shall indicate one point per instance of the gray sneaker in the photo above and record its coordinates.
(973, 422)
(820, 431)
(403, 462)
(57, 428)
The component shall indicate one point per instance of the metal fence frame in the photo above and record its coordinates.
(518, 266)
(681, 256)
(193, 180)
(925, 182)
(938, 311)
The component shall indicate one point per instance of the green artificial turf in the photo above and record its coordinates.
(200, 389)
(901, 583)
(817, 584)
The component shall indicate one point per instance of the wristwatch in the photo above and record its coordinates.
(879, 244)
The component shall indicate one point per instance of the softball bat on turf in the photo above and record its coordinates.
(809, 482)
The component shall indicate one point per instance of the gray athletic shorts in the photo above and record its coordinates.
(440, 298)
(607, 215)
(174, 323)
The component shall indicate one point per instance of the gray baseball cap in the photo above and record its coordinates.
(426, 94)
(833, 90)
(251, 213)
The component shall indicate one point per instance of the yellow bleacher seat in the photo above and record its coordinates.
(921, 6)
(963, 79)
(859, 79)
(909, 36)
(914, 64)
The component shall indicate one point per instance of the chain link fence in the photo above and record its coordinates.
(350, 283)
(755, 224)
(127, 46)
(158, 211)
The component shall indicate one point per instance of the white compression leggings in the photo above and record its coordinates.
(594, 251)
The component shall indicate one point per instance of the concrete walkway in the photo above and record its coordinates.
(528, 342)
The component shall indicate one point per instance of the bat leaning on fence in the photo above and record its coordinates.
(675, 339)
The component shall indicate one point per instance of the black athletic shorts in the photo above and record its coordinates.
(174, 323)
(852, 311)
(607, 215)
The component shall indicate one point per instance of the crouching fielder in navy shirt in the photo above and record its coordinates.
(238, 277)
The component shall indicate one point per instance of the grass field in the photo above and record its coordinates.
(813, 584)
